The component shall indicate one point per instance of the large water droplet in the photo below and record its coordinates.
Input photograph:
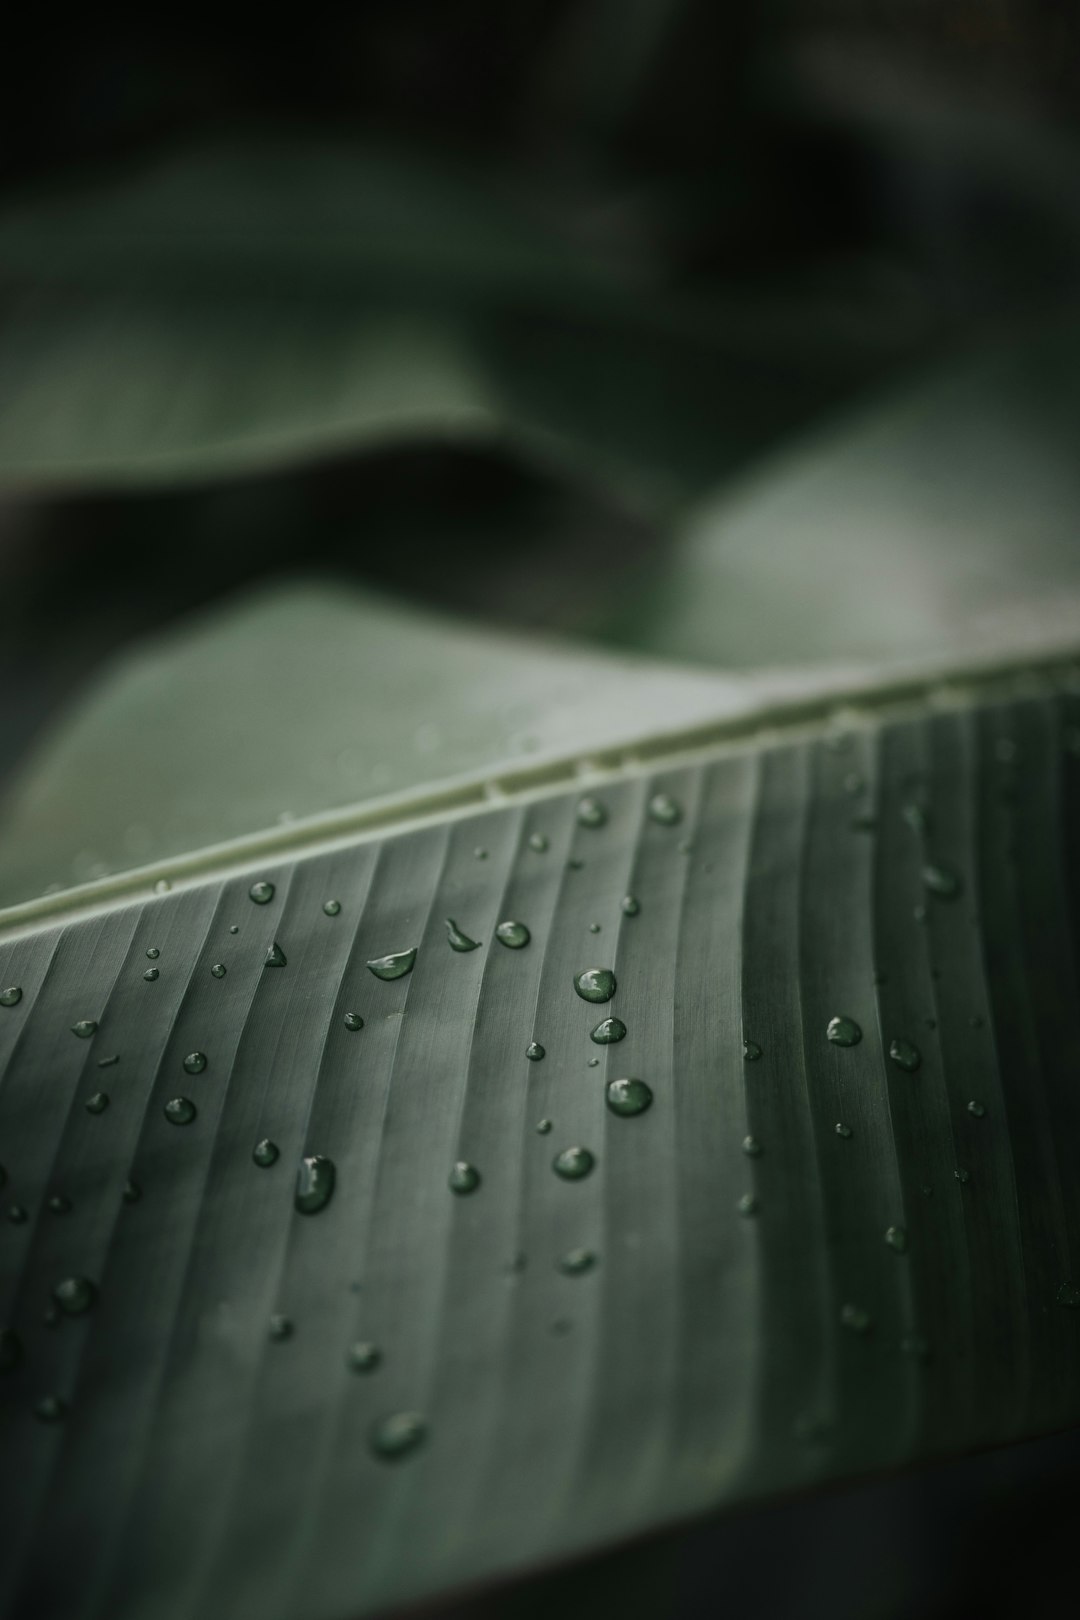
(151, 974)
(534, 1051)
(896, 1238)
(631, 905)
(363, 1356)
(607, 1031)
(332, 908)
(843, 1031)
(11, 996)
(275, 957)
(84, 1028)
(218, 970)
(751, 1051)
(153, 953)
(395, 1436)
(50, 1409)
(459, 941)
(10, 1350)
(628, 1097)
(265, 1153)
(664, 809)
(394, 966)
(464, 1177)
(279, 1329)
(353, 1021)
(195, 1063)
(97, 1103)
(513, 934)
(595, 984)
(905, 1055)
(855, 1319)
(180, 1111)
(314, 1184)
(575, 1262)
(262, 892)
(941, 881)
(538, 842)
(591, 812)
(75, 1295)
(573, 1163)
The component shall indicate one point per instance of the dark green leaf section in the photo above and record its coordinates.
(773, 1302)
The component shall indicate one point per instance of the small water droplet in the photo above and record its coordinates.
(913, 1344)
(314, 1183)
(751, 1147)
(151, 974)
(84, 1028)
(332, 908)
(538, 842)
(75, 1295)
(11, 996)
(855, 1319)
(218, 970)
(591, 812)
(458, 940)
(394, 966)
(628, 1097)
(896, 1238)
(594, 928)
(180, 1111)
(17, 1215)
(664, 809)
(595, 984)
(363, 1356)
(576, 1262)
(843, 1130)
(941, 881)
(275, 957)
(153, 953)
(395, 1436)
(607, 1031)
(977, 1109)
(574, 864)
(97, 1103)
(917, 818)
(132, 1192)
(631, 905)
(464, 1177)
(480, 853)
(962, 1176)
(108, 1062)
(534, 1051)
(751, 1051)
(265, 1153)
(261, 892)
(234, 928)
(1068, 1295)
(353, 1021)
(843, 1031)
(279, 1329)
(10, 1350)
(543, 1126)
(905, 1055)
(512, 934)
(59, 1204)
(162, 886)
(50, 1409)
(195, 1063)
(573, 1163)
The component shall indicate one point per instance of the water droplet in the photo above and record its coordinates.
(11, 996)
(941, 881)
(913, 1344)
(631, 905)
(279, 1329)
(84, 1028)
(464, 1178)
(59, 1204)
(905, 1055)
(1068, 1295)
(107, 1062)
(594, 928)
(573, 1163)
(751, 1147)
(843, 1130)
(332, 908)
(977, 1109)
(151, 974)
(843, 1031)
(574, 865)
(748, 1204)
(218, 970)
(917, 818)
(480, 854)
(153, 953)
(17, 1215)
(363, 1356)
(353, 1021)
(98, 1103)
(591, 812)
(395, 1436)
(234, 928)
(275, 957)
(458, 940)
(664, 809)
(394, 966)
(162, 886)
(195, 1063)
(628, 1097)
(543, 1127)
(595, 984)
(314, 1184)
(896, 1238)
(262, 892)
(75, 1295)
(593, 1063)
(10, 1350)
(513, 934)
(607, 1031)
(50, 1409)
(534, 1051)
(180, 1111)
(265, 1153)
(751, 1051)
(855, 1319)
(575, 1262)
(538, 841)
(962, 1176)
(132, 1192)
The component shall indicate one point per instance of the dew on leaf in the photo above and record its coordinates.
(905, 1055)
(75, 1295)
(275, 957)
(97, 1103)
(628, 1097)
(395, 1436)
(11, 996)
(607, 1031)
(534, 1051)
(575, 1262)
(458, 940)
(151, 974)
(751, 1051)
(265, 1153)
(261, 892)
(195, 1063)
(353, 1021)
(941, 881)
(84, 1028)
(394, 966)
(279, 1329)
(363, 1356)
(591, 812)
(896, 1238)
(595, 984)
(464, 1178)
(314, 1183)
(512, 934)
(180, 1111)
(331, 908)
(631, 905)
(665, 810)
(573, 1163)
(843, 1031)
(218, 970)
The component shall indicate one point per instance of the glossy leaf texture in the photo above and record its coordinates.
(808, 1258)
